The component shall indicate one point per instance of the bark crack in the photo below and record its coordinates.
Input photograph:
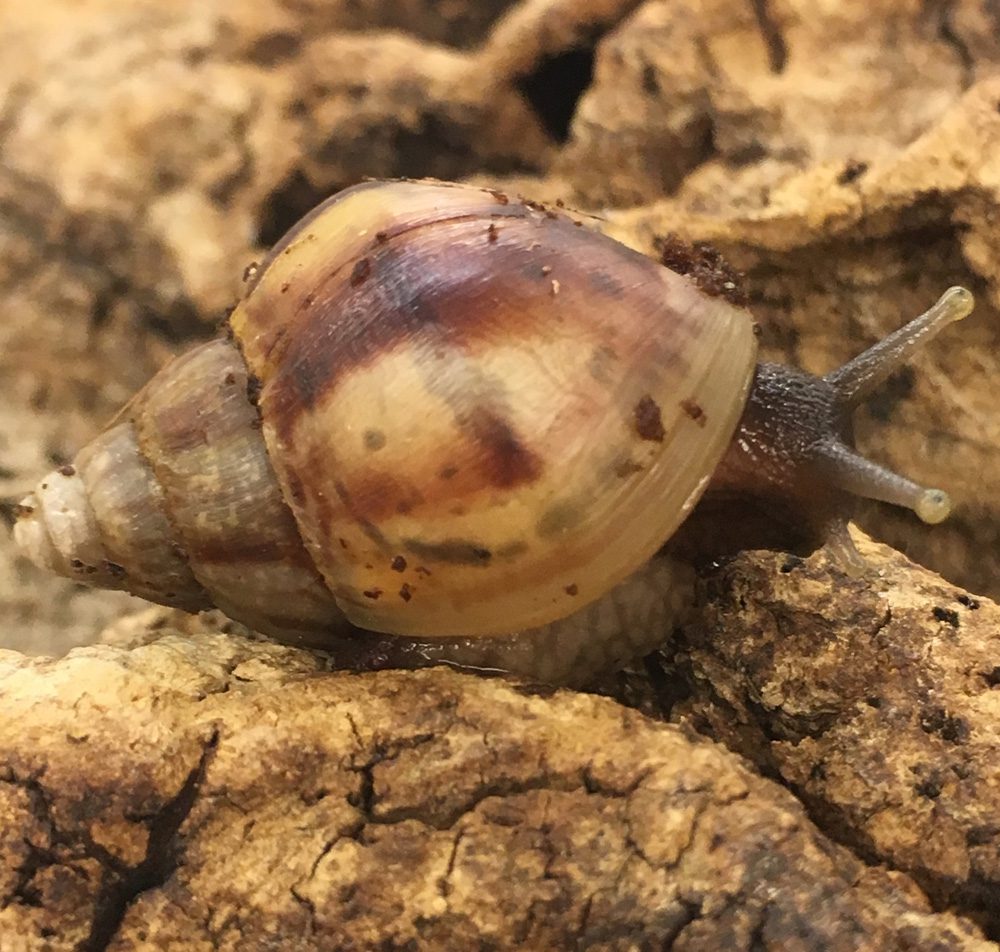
(156, 867)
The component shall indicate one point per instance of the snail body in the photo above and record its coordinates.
(443, 414)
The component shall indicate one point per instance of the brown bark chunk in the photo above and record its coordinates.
(206, 791)
(875, 700)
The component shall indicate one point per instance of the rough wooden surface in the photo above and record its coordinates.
(876, 700)
(250, 801)
(201, 791)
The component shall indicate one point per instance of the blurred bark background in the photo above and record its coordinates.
(843, 155)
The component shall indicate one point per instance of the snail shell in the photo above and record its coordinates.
(441, 413)
(474, 407)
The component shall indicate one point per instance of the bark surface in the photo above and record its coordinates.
(876, 700)
(207, 792)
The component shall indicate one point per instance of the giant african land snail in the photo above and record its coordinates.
(450, 416)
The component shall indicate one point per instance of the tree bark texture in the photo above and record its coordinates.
(206, 792)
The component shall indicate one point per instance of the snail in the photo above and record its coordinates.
(475, 426)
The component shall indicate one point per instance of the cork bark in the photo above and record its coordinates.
(250, 800)
(876, 700)
(181, 786)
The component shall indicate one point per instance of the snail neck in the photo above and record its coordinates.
(772, 489)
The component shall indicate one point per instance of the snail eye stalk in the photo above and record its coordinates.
(856, 380)
(853, 473)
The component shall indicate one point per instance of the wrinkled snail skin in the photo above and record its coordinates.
(626, 623)
(472, 424)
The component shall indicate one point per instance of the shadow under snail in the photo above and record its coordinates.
(471, 423)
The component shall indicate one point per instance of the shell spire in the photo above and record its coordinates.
(178, 503)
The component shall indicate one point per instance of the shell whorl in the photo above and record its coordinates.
(483, 416)
(179, 504)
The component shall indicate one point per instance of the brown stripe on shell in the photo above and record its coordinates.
(246, 547)
(509, 551)
(440, 287)
(312, 473)
(249, 550)
(493, 454)
(508, 461)
(347, 229)
(366, 524)
(450, 551)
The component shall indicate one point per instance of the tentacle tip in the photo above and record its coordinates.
(957, 302)
(933, 506)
